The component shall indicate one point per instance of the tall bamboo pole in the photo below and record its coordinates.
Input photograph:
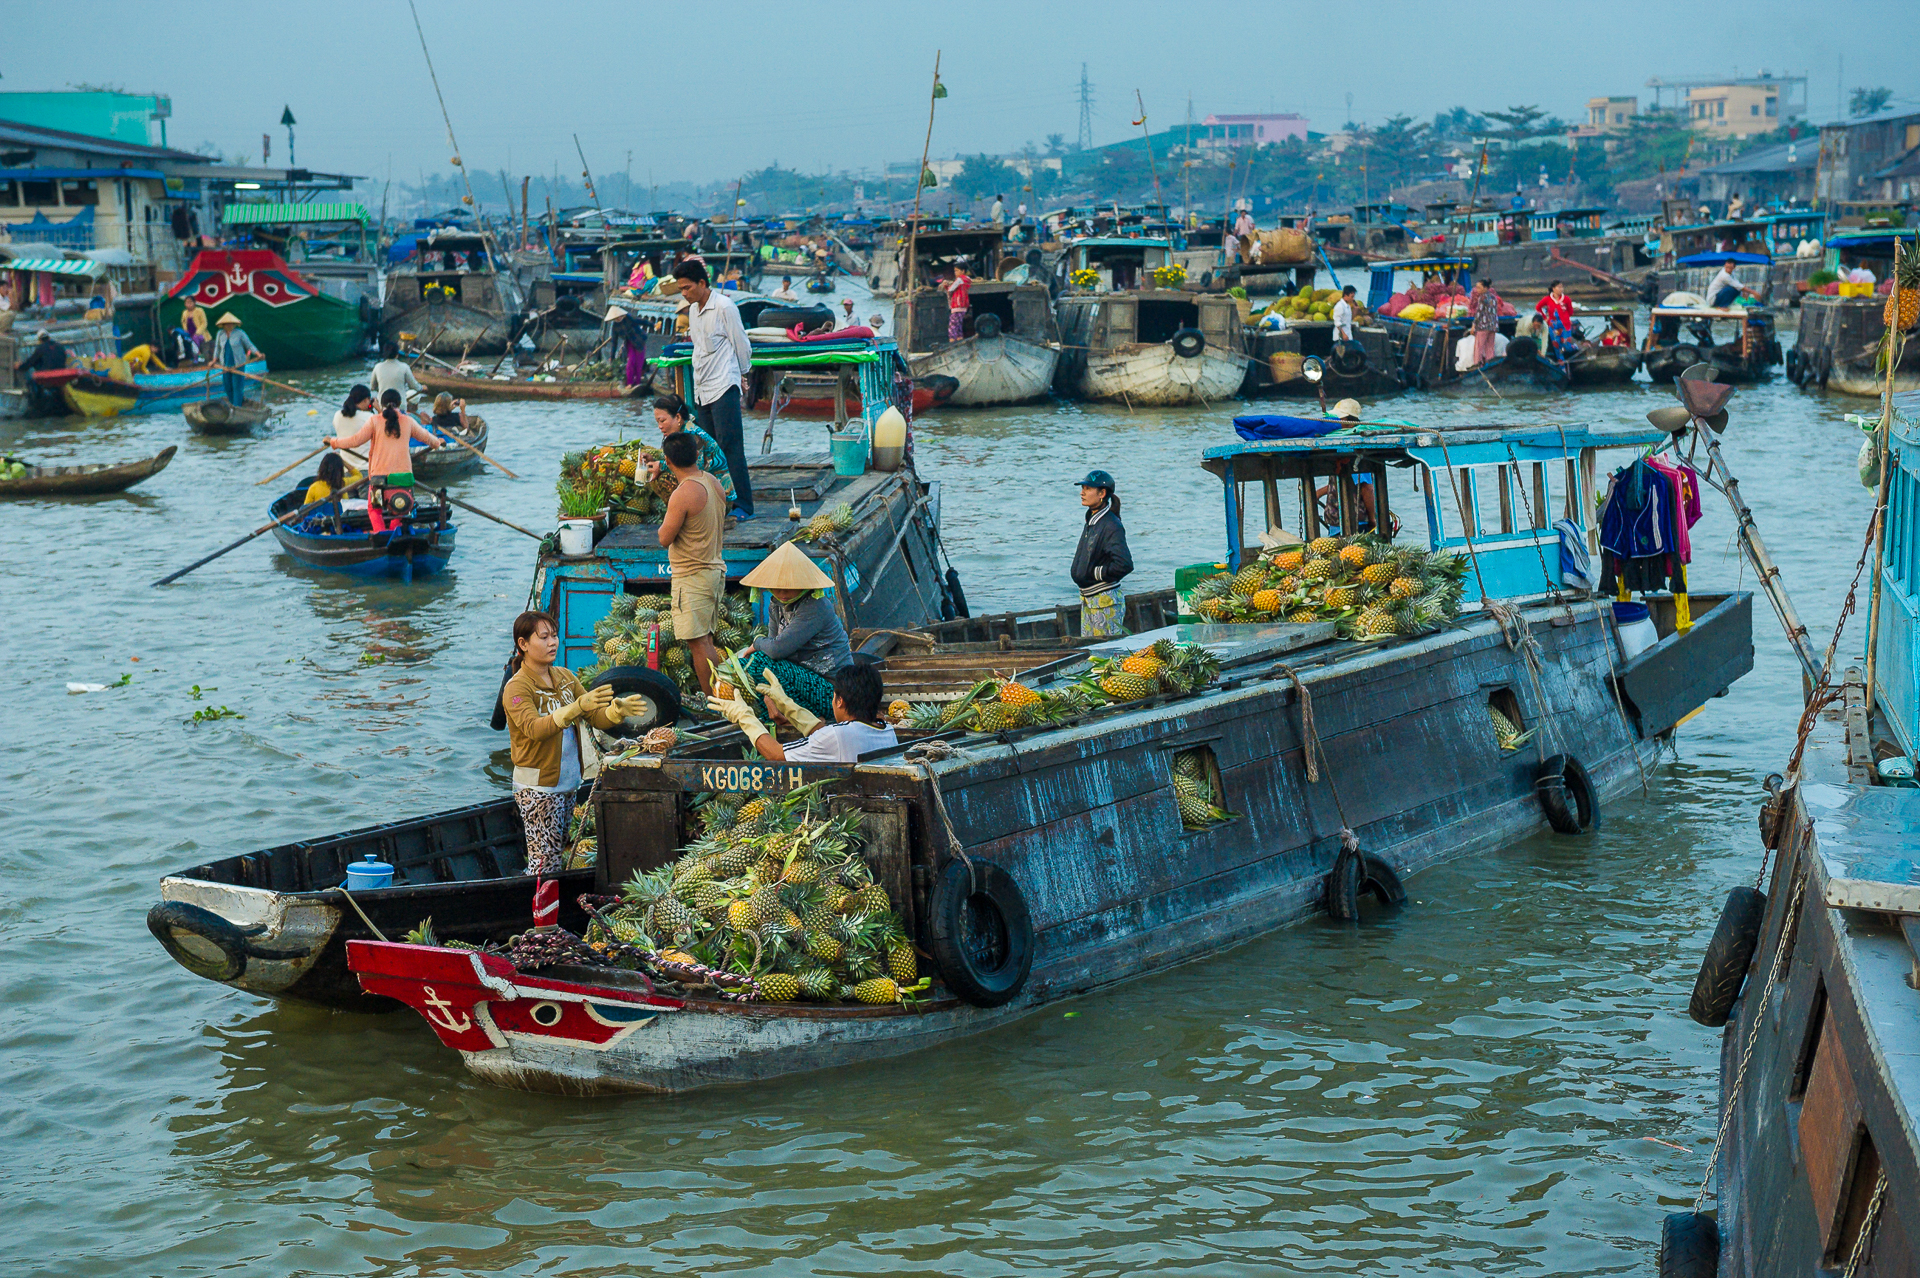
(919, 184)
(1147, 134)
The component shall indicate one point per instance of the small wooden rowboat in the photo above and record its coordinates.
(475, 388)
(435, 465)
(421, 543)
(85, 481)
(223, 417)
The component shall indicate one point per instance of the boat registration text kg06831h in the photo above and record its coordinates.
(762, 778)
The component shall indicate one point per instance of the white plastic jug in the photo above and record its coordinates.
(1637, 631)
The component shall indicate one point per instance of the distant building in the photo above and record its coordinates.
(1737, 108)
(1224, 131)
(1778, 174)
(1611, 115)
(1868, 158)
(115, 117)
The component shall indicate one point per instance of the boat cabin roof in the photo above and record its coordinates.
(1704, 312)
(1404, 444)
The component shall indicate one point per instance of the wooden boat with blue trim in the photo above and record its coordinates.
(435, 465)
(1039, 863)
(89, 480)
(346, 542)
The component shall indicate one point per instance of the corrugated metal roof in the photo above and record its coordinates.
(260, 214)
(56, 266)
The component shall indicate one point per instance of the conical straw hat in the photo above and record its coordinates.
(787, 568)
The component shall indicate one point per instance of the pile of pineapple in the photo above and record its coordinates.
(995, 705)
(1372, 588)
(617, 470)
(621, 637)
(777, 893)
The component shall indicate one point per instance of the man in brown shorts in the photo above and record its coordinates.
(692, 532)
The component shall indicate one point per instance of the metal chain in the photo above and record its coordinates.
(1860, 1240)
(1789, 920)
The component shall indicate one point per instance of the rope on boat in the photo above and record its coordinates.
(925, 754)
(1315, 755)
(378, 935)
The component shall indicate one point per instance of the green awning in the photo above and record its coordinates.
(282, 214)
(763, 358)
(56, 266)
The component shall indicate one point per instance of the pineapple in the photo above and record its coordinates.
(1343, 596)
(665, 625)
(1323, 547)
(1126, 687)
(1267, 601)
(841, 517)
(1250, 578)
(902, 964)
(750, 814)
(670, 917)
(1355, 556)
(739, 914)
(928, 716)
(711, 900)
(825, 946)
(1301, 616)
(1375, 623)
(628, 467)
(899, 711)
(1195, 812)
(1186, 784)
(1018, 694)
(779, 987)
(1289, 584)
(659, 741)
(871, 899)
(1505, 732)
(881, 989)
(653, 603)
(1318, 569)
(1906, 283)
(1403, 587)
(992, 716)
(1144, 666)
(1377, 574)
(1212, 609)
(674, 658)
(819, 984)
(1289, 560)
(816, 528)
(1161, 648)
(624, 606)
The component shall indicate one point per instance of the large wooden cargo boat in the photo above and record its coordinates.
(1129, 342)
(452, 298)
(295, 323)
(1009, 344)
(1039, 863)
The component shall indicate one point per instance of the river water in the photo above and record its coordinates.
(1499, 1079)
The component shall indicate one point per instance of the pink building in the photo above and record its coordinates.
(1252, 130)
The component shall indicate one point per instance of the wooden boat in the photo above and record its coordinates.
(90, 393)
(435, 465)
(85, 481)
(1065, 857)
(1818, 1169)
(1009, 347)
(1745, 352)
(22, 394)
(347, 543)
(452, 297)
(276, 922)
(1160, 347)
(488, 388)
(1839, 340)
(1364, 368)
(294, 322)
(222, 417)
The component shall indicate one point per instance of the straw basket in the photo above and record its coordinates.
(1284, 366)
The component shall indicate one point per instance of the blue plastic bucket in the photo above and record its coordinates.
(364, 876)
(849, 455)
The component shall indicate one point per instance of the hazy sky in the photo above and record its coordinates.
(706, 91)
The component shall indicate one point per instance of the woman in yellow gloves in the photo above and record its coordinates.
(545, 705)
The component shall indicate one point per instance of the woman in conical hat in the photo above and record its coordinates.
(807, 643)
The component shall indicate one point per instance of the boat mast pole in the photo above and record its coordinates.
(1756, 551)
(1147, 134)
(1882, 441)
(586, 171)
(919, 185)
(451, 140)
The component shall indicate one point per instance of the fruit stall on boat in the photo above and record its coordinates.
(856, 505)
(1840, 340)
(1737, 341)
(344, 541)
(1131, 335)
(1009, 343)
(1809, 972)
(294, 322)
(1358, 709)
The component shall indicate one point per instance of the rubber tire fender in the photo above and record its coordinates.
(1554, 782)
(1793, 365)
(1523, 348)
(1689, 1246)
(1723, 971)
(660, 691)
(1685, 355)
(1343, 887)
(169, 918)
(1382, 880)
(957, 595)
(1349, 359)
(1188, 343)
(987, 326)
(961, 891)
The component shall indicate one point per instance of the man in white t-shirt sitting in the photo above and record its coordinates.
(856, 728)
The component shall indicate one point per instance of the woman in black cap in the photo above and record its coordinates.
(1102, 559)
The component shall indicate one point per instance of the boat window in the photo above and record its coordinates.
(1199, 795)
(36, 194)
(75, 193)
(1160, 320)
(9, 195)
(1809, 1042)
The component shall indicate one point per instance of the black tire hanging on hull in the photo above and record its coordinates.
(980, 932)
(1689, 1246)
(1566, 795)
(1729, 954)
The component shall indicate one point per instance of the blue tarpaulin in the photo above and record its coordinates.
(1715, 259)
(1269, 426)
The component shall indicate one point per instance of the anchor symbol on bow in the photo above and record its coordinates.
(237, 277)
(441, 1017)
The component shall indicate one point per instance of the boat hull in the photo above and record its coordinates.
(447, 330)
(1152, 375)
(85, 481)
(1083, 820)
(1838, 345)
(218, 417)
(412, 549)
(435, 465)
(313, 332)
(991, 370)
(1603, 366)
(483, 388)
(92, 395)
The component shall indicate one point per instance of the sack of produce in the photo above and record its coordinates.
(1417, 311)
(1287, 244)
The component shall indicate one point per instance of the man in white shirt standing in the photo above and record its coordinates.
(721, 357)
(856, 728)
(394, 373)
(1343, 316)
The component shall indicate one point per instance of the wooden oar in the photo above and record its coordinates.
(284, 469)
(277, 385)
(482, 456)
(455, 501)
(284, 519)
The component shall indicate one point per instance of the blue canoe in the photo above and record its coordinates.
(172, 391)
(344, 542)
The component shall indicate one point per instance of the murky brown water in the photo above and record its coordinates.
(1476, 1085)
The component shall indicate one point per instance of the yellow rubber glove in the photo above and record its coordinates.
(804, 721)
(595, 699)
(629, 707)
(740, 714)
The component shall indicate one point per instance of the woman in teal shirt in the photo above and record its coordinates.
(670, 413)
